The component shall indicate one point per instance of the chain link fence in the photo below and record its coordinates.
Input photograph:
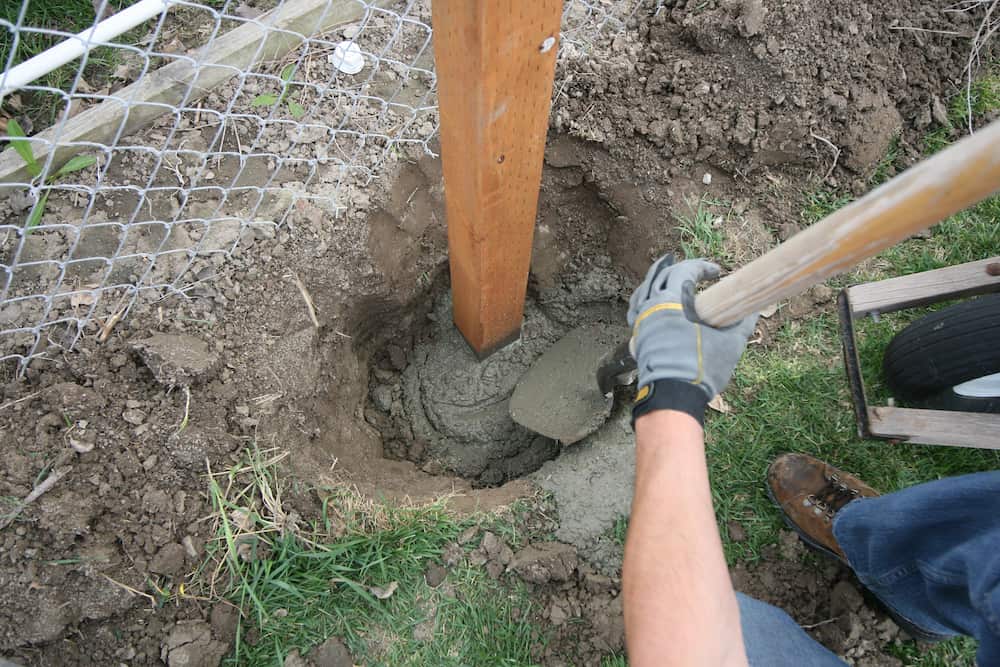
(166, 145)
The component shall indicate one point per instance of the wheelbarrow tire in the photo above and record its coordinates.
(927, 359)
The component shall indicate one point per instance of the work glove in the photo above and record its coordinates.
(682, 362)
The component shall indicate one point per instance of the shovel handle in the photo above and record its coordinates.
(953, 179)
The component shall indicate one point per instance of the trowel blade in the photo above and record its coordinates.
(558, 396)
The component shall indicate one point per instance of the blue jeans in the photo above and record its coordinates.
(930, 552)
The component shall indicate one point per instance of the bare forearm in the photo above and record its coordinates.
(680, 608)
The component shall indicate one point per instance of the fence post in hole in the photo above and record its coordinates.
(495, 65)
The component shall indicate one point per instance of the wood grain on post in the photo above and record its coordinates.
(940, 186)
(495, 64)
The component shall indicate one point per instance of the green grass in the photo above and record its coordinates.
(69, 16)
(983, 97)
(619, 530)
(954, 653)
(888, 165)
(298, 585)
(820, 203)
(702, 228)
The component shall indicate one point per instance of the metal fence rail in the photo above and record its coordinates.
(142, 162)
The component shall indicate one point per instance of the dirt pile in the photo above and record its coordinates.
(585, 607)
(748, 87)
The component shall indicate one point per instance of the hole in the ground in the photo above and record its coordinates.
(436, 405)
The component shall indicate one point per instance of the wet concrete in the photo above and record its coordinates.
(459, 406)
(592, 482)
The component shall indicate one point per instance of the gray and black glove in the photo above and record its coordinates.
(682, 362)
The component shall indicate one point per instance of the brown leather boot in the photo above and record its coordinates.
(809, 494)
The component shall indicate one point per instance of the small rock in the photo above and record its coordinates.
(81, 446)
(73, 398)
(189, 547)
(787, 230)
(845, 598)
(497, 549)
(598, 584)
(544, 562)
(751, 18)
(939, 112)
(707, 178)
(21, 200)
(293, 659)
(134, 417)
(225, 618)
(382, 398)
(557, 615)
(821, 293)
(331, 653)
(397, 357)
(434, 575)
(415, 452)
(494, 569)
(452, 555)
(190, 644)
(169, 560)
(262, 229)
(887, 629)
(736, 532)
(177, 359)
(468, 534)
(789, 545)
(385, 376)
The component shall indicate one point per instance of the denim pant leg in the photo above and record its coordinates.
(932, 553)
(773, 639)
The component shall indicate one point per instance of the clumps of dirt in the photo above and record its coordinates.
(177, 359)
(578, 611)
(824, 598)
(748, 87)
(583, 608)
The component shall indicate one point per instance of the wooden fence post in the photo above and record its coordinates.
(495, 63)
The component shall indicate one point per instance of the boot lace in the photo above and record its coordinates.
(828, 500)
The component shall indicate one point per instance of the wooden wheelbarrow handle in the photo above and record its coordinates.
(957, 177)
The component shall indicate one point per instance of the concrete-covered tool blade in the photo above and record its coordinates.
(558, 397)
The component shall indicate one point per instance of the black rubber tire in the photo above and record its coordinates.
(935, 353)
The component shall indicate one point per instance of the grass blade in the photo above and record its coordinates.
(265, 100)
(75, 164)
(36, 213)
(288, 588)
(23, 147)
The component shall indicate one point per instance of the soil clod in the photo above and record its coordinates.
(177, 359)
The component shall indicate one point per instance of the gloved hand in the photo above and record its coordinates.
(682, 362)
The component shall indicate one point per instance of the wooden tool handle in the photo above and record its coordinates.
(957, 177)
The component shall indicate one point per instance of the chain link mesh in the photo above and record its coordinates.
(186, 133)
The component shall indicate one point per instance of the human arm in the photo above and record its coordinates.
(680, 608)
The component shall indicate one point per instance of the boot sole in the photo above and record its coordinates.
(906, 624)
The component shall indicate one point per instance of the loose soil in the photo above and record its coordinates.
(720, 99)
